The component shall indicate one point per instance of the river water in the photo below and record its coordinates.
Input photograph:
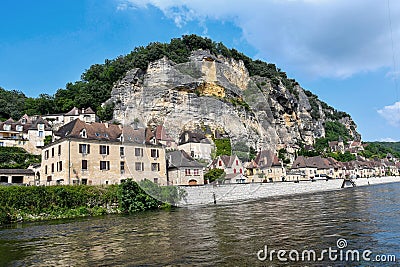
(238, 234)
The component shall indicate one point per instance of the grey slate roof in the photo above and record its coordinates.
(179, 159)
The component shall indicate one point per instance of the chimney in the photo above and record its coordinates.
(106, 124)
(83, 111)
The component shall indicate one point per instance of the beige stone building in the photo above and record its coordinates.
(26, 133)
(266, 167)
(99, 153)
(183, 169)
(85, 114)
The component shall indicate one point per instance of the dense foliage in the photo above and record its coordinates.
(214, 175)
(223, 146)
(38, 202)
(52, 202)
(381, 149)
(343, 157)
(16, 158)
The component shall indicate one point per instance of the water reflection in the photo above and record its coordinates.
(221, 235)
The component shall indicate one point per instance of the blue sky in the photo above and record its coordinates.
(346, 52)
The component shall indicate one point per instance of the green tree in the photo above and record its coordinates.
(214, 175)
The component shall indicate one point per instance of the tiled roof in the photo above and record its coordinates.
(313, 162)
(179, 158)
(96, 130)
(161, 134)
(191, 137)
(76, 111)
(267, 159)
(17, 171)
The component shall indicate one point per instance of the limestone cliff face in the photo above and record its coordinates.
(218, 93)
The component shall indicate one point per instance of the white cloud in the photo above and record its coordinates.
(391, 114)
(330, 38)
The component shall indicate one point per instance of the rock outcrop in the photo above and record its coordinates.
(217, 93)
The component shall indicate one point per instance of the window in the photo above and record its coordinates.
(155, 167)
(139, 166)
(187, 171)
(83, 133)
(237, 162)
(220, 163)
(84, 148)
(7, 127)
(156, 180)
(234, 170)
(122, 166)
(52, 168)
(192, 154)
(196, 172)
(122, 151)
(59, 150)
(40, 133)
(104, 165)
(46, 154)
(154, 153)
(52, 152)
(60, 166)
(23, 120)
(104, 150)
(1, 143)
(45, 169)
(41, 126)
(20, 128)
(139, 152)
(84, 165)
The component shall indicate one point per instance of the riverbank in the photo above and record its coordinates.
(36, 203)
(210, 194)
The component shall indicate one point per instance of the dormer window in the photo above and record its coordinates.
(7, 127)
(83, 133)
(97, 134)
(41, 126)
(23, 121)
(20, 128)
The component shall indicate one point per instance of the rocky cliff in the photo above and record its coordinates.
(217, 93)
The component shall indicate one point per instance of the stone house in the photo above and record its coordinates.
(196, 145)
(183, 169)
(266, 167)
(17, 176)
(25, 133)
(85, 114)
(99, 153)
(230, 164)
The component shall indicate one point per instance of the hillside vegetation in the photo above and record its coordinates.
(96, 83)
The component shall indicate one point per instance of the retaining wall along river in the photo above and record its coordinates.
(210, 194)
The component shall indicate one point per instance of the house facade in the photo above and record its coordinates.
(196, 145)
(266, 167)
(183, 169)
(85, 114)
(25, 133)
(97, 154)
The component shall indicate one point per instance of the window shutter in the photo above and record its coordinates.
(88, 149)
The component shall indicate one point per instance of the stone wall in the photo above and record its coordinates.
(204, 195)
